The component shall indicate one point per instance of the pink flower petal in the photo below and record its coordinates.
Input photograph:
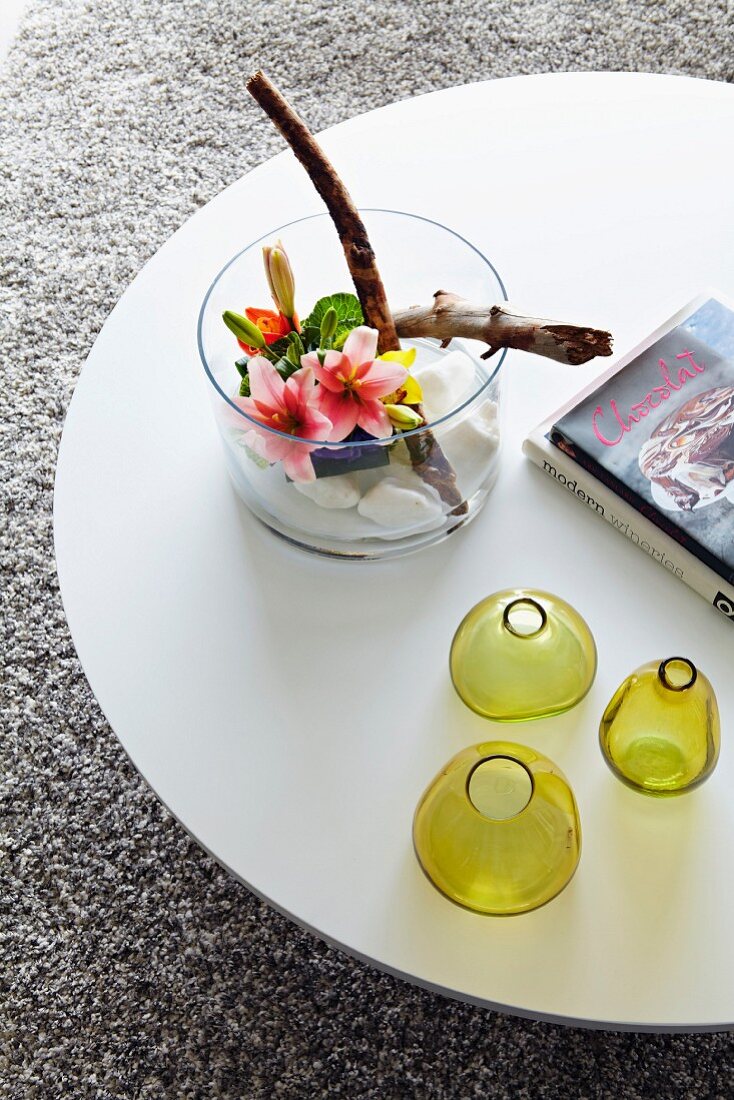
(298, 391)
(250, 408)
(266, 385)
(334, 363)
(246, 404)
(263, 412)
(361, 345)
(381, 378)
(298, 465)
(302, 381)
(269, 446)
(315, 425)
(336, 360)
(310, 359)
(254, 440)
(341, 410)
(373, 418)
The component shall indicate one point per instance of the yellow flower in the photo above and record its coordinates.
(406, 358)
(410, 392)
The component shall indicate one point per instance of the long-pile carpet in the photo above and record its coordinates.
(131, 965)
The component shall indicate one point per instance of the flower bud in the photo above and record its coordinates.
(296, 342)
(329, 323)
(243, 329)
(280, 279)
(403, 417)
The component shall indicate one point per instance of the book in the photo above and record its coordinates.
(603, 502)
(649, 446)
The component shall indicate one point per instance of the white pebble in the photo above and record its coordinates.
(401, 503)
(471, 442)
(341, 491)
(446, 383)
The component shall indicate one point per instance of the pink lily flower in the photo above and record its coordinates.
(290, 408)
(352, 383)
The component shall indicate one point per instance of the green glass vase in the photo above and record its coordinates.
(498, 830)
(660, 733)
(522, 654)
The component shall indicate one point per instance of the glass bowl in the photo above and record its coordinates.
(371, 497)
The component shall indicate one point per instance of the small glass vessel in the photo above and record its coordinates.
(660, 733)
(522, 654)
(498, 830)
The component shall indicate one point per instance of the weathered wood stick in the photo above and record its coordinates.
(426, 456)
(349, 225)
(500, 327)
(432, 465)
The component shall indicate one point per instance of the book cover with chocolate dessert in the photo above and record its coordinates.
(649, 446)
(660, 433)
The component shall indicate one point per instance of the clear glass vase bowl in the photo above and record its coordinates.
(371, 498)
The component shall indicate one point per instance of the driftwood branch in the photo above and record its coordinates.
(427, 458)
(349, 225)
(500, 327)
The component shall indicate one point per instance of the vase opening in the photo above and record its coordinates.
(524, 617)
(677, 673)
(499, 787)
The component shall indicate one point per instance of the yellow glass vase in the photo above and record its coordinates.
(498, 830)
(660, 733)
(522, 654)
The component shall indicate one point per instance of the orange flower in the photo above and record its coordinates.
(272, 325)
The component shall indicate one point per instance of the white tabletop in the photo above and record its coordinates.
(290, 710)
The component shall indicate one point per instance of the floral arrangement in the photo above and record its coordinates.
(320, 380)
(341, 375)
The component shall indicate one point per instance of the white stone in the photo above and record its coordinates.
(472, 442)
(446, 383)
(403, 503)
(341, 491)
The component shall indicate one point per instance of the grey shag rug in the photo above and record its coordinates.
(130, 964)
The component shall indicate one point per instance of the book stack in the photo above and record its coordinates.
(650, 448)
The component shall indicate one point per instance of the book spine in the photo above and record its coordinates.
(645, 510)
(638, 530)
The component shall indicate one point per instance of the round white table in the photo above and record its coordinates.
(290, 710)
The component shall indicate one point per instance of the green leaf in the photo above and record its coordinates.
(295, 349)
(279, 348)
(348, 312)
(286, 368)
